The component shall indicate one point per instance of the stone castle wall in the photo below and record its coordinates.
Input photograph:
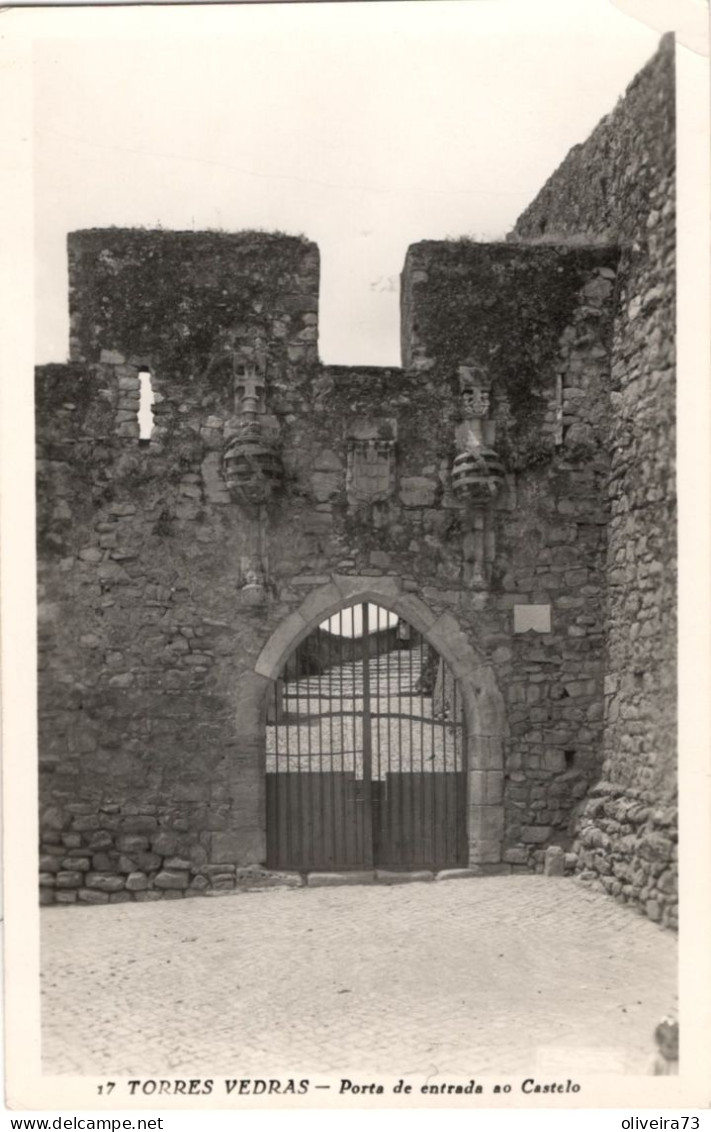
(619, 187)
(158, 592)
(168, 605)
(539, 324)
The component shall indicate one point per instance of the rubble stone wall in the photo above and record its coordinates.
(539, 325)
(168, 605)
(158, 591)
(619, 187)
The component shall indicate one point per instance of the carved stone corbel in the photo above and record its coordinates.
(477, 472)
(251, 463)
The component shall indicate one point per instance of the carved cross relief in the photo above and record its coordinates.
(476, 472)
(249, 391)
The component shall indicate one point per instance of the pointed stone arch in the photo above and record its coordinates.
(482, 700)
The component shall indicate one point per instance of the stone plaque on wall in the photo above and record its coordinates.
(536, 618)
(370, 474)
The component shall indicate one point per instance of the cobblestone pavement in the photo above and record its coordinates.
(468, 977)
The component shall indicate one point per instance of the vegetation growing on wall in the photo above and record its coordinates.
(154, 292)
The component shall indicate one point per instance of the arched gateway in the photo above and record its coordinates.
(383, 735)
(365, 750)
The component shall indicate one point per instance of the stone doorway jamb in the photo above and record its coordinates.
(483, 702)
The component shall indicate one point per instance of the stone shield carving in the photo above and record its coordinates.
(370, 475)
(370, 464)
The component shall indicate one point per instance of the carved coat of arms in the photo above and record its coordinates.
(370, 474)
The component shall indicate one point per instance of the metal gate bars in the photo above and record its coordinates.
(365, 750)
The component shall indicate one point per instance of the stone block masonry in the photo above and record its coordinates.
(619, 187)
(158, 591)
(463, 300)
(484, 491)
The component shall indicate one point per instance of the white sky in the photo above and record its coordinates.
(349, 622)
(365, 127)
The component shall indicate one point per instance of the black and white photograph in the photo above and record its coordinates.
(364, 669)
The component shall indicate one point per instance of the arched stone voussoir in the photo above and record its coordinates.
(414, 610)
(320, 603)
(284, 638)
(457, 646)
(368, 587)
(250, 703)
(490, 705)
(461, 666)
(483, 704)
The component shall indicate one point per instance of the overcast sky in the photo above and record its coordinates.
(365, 127)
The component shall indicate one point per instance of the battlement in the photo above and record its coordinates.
(180, 298)
(509, 489)
(219, 325)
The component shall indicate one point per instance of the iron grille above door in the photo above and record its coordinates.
(365, 750)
